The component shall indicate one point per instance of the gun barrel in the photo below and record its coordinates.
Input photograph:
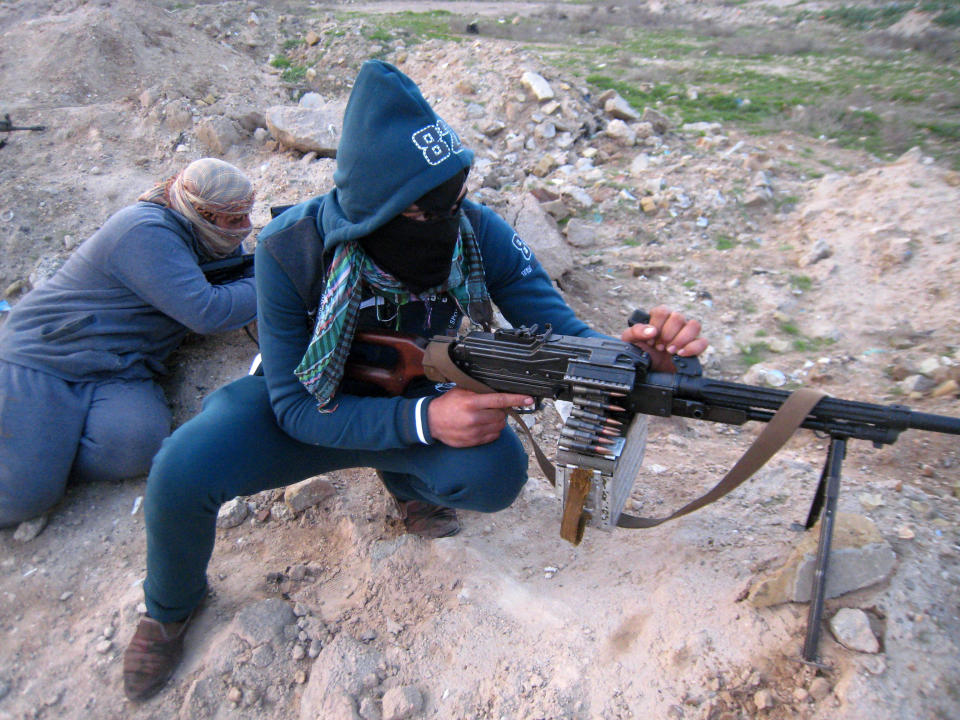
(934, 423)
(848, 418)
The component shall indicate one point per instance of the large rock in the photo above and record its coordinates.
(538, 230)
(307, 129)
(859, 557)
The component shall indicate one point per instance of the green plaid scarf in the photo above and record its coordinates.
(322, 366)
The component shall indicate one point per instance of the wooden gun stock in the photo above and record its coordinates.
(407, 366)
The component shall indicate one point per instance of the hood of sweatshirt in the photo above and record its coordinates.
(393, 149)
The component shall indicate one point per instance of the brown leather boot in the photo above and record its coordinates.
(429, 521)
(152, 656)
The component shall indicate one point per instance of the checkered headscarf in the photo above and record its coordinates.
(208, 185)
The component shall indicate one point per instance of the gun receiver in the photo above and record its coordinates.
(560, 367)
(228, 269)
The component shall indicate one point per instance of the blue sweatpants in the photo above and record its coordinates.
(235, 447)
(53, 432)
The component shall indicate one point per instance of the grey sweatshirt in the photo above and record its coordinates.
(123, 302)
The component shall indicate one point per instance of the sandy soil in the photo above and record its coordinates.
(504, 620)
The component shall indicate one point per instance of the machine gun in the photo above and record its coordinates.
(7, 126)
(612, 390)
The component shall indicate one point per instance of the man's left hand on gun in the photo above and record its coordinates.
(665, 334)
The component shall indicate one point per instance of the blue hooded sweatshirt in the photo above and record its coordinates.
(124, 301)
(394, 149)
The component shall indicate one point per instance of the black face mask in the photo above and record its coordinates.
(416, 252)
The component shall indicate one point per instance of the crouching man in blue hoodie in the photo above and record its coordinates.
(397, 245)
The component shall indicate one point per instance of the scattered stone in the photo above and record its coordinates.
(871, 501)
(232, 513)
(311, 38)
(281, 512)
(905, 532)
(217, 135)
(851, 628)
(29, 529)
(307, 493)
(764, 699)
(492, 127)
(819, 688)
(581, 233)
(617, 107)
(400, 703)
(621, 132)
(537, 85)
(369, 709)
(761, 375)
(820, 250)
(103, 647)
(916, 384)
(859, 557)
(947, 387)
(929, 366)
(253, 121)
(660, 122)
(545, 165)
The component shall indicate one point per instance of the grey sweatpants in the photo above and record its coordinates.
(53, 432)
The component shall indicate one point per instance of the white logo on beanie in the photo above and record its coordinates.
(437, 142)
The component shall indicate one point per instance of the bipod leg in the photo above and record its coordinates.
(828, 491)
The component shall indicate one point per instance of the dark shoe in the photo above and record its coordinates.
(429, 521)
(152, 656)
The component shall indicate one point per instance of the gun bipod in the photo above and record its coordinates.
(824, 506)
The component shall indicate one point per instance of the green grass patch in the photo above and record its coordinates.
(801, 282)
(948, 18)
(879, 98)
(946, 130)
(413, 27)
(290, 72)
(753, 353)
(724, 242)
(865, 18)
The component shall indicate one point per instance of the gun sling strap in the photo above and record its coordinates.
(439, 367)
(773, 436)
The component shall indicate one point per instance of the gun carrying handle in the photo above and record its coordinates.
(395, 379)
(438, 366)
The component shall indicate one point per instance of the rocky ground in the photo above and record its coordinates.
(829, 266)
